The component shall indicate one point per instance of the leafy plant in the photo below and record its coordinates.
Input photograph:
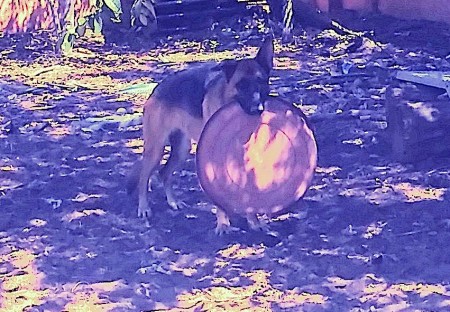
(93, 21)
(143, 14)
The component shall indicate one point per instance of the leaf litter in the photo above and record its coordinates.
(372, 233)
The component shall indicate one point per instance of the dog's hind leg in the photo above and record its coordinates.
(150, 160)
(155, 137)
(180, 147)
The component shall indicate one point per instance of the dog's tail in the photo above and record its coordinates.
(133, 177)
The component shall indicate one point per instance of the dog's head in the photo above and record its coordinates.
(248, 79)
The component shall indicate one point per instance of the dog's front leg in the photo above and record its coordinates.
(222, 222)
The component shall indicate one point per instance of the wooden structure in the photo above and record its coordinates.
(418, 123)
(176, 15)
(433, 10)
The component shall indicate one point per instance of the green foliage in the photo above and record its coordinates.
(94, 22)
(81, 27)
(116, 7)
(65, 42)
(143, 14)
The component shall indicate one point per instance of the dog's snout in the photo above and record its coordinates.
(252, 94)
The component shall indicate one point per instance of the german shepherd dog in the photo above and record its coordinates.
(180, 106)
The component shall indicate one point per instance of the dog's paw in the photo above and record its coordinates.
(260, 226)
(144, 212)
(222, 229)
(176, 205)
(256, 224)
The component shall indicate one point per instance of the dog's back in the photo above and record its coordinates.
(185, 89)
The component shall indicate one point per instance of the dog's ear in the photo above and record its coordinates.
(228, 67)
(265, 54)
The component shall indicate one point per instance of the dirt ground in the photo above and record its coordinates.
(371, 234)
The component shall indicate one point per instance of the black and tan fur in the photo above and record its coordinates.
(182, 103)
